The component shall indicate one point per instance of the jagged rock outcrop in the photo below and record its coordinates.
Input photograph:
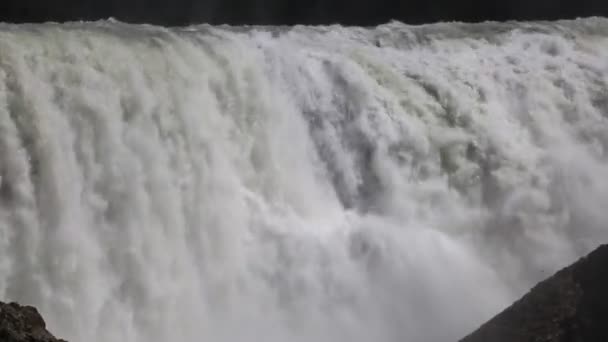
(571, 306)
(23, 324)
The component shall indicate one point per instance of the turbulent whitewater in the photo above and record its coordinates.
(280, 184)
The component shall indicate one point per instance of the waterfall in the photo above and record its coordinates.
(232, 184)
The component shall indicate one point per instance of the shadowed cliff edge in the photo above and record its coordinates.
(571, 306)
(23, 323)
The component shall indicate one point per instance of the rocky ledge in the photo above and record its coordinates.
(571, 306)
(23, 324)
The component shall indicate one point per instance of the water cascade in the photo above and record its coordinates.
(331, 184)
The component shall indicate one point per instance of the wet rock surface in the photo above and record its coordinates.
(571, 306)
(23, 324)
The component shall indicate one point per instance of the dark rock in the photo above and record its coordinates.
(23, 324)
(571, 306)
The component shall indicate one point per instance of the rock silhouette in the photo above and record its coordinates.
(571, 306)
(23, 324)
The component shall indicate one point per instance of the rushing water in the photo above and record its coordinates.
(281, 184)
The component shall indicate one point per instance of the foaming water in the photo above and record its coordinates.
(230, 184)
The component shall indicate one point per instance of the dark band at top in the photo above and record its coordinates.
(290, 12)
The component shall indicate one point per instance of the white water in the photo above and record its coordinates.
(306, 184)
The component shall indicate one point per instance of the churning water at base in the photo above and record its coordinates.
(296, 184)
